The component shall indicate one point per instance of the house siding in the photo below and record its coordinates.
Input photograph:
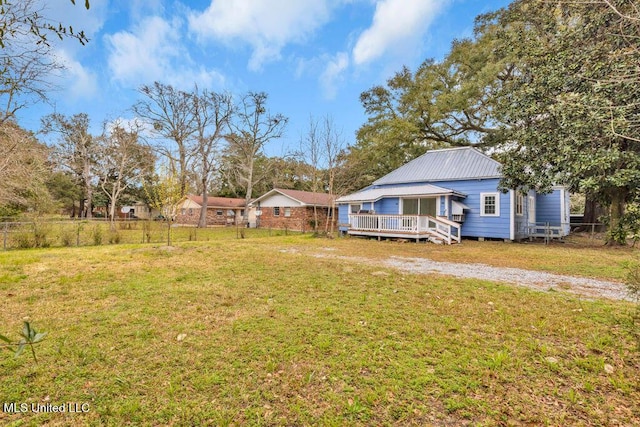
(279, 200)
(474, 224)
(388, 206)
(548, 208)
(553, 208)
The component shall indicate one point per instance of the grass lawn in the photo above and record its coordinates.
(257, 331)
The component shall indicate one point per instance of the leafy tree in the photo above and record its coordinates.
(566, 110)
(441, 104)
(75, 151)
(164, 193)
(64, 190)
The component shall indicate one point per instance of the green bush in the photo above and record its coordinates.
(97, 235)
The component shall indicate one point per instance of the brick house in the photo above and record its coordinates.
(293, 209)
(220, 210)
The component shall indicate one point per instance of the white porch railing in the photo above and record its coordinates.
(414, 225)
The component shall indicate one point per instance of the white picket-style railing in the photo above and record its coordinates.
(419, 225)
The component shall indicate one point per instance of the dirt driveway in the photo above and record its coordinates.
(585, 287)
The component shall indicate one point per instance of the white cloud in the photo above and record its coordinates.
(82, 83)
(154, 51)
(333, 73)
(395, 23)
(265, 25)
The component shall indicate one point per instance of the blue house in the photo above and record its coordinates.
(445, 195)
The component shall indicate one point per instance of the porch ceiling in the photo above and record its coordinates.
(374, 194)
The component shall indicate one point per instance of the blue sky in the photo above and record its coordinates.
(313, 57)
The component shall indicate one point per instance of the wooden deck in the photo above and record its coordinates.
(436, 230)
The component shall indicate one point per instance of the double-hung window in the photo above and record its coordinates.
(489, 204)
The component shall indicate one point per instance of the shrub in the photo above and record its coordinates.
(114, 237)
(97, 235)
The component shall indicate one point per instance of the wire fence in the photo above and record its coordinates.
(68, 233)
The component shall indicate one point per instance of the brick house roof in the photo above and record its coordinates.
(218, 202)
(304, 197)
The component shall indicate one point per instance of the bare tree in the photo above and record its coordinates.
(253, 129)
(23, 165)
(76, 151)
(26, 57)
(212, 114)
(170, 113)
(123, 161)
(311, 153)
(333, 144)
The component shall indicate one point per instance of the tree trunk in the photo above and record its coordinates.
(617, 234)
(112, 216)
(592, 211)
(202, 222)
(247, 198)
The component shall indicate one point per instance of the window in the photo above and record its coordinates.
(287, 212)
(532, 209)
(424, 206)
(276, 211)
(182, 211)
(354, 209)
(219, 212)
(519, 203)
(190, 211)
(231, 212)
(489, 204)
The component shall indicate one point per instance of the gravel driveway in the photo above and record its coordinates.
(590, 288)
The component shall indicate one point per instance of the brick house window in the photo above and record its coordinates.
(276, 211)
(219, 212)
(287, 212)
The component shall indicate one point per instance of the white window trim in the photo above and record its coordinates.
(519, 203)
(351, 205)
(287, 212)
(276, 211)
(483, 196)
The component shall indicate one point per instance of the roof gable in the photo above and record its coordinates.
(307, 198)
(450, 164)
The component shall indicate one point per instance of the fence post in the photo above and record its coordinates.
(5, 233)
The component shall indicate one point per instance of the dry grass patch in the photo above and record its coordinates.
(258, 332)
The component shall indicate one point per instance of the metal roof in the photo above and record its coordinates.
(371, 194)
(449, 164)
